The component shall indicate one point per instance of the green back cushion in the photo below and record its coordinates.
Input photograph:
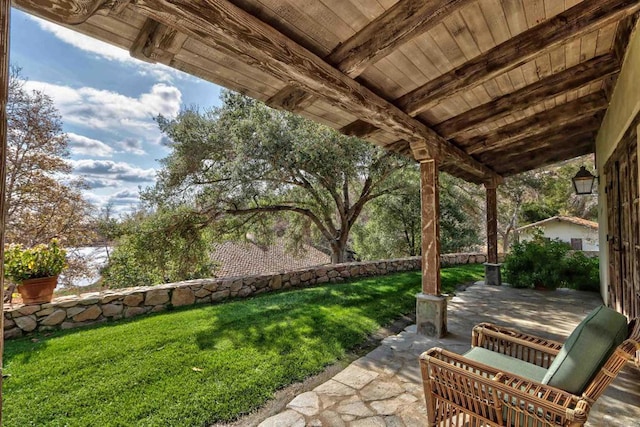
(586, 350)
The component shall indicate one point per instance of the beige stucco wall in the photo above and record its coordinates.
(623, 108)
(566, 231)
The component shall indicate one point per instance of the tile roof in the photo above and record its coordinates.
(572, 219)
(247, 258)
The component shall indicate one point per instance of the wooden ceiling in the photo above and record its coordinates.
(491, 87)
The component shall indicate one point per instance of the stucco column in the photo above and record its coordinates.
(5, 13)
(492, 267)
(431, 308)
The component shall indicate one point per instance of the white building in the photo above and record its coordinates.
(580, 233)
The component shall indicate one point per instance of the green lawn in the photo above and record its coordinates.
(202, 364)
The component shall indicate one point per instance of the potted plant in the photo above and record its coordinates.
(35, 270)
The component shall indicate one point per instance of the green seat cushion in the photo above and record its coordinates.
(587, 350)
(506, 363)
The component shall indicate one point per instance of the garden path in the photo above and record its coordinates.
(384, 387)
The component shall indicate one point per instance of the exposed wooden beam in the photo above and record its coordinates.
(538, 123)
(291, 98)
(569, 79)
(400, 147)
(359, 129)
(402, 22)
(552, 139)
(580, 145)
(70, 12)
(623, 35)
(571, 24)
(157, 42)
(119, 6)
(235, 32)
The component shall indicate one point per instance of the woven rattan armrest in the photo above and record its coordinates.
(479, 391)
(530, 348)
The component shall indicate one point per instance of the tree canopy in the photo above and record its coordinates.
(43, 200)
(244, 165)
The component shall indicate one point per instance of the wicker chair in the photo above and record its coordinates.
(462, 392)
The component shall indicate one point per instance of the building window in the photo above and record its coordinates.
(576, 244)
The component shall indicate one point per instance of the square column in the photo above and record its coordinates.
(492, 267)
(431, 309)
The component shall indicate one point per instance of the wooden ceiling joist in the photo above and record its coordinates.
(571, 24)
(234, 31)
(549, 139)
(545, 121)
(402, 22)
(575, 147)
(569, 79)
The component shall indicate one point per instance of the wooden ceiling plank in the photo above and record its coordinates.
(461, 34)
(535, 13)
(606, 38)
(553, 7)
(515, 15)
(572, 78)
(474, 19)
(573, 23)
(233, 30)
(494, 15)
(406, 20)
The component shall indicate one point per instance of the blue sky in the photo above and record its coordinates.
(107, 101)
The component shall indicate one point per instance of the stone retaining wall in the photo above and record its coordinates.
(98, 307)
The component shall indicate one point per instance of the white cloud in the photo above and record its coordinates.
(107, 110)
(107, 51)
(104, 170)
(132, 145)
(82, 145)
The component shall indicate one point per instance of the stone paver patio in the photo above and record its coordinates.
(384, 387)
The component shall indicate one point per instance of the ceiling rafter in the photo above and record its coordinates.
(577, 146)
(236, 32)
(549, 139)
(503, 136)
(569, 79)
(571, 24)
(402, 22)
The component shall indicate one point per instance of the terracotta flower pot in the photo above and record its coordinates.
(38, 291)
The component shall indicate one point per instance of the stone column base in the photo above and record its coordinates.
(492, 274)
(431, 315)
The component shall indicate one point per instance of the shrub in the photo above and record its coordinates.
(550, 264)
(167, 246)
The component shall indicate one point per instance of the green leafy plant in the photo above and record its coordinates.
(32, 263)
(550, 264)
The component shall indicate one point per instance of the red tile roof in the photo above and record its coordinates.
(572, 219)
(247, 258)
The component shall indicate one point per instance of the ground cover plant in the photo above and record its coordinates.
(200, 365)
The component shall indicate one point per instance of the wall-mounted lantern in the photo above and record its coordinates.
(583, 181)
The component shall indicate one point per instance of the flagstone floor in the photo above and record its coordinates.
(384, 388)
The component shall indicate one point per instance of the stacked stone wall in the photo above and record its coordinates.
(98, 307)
